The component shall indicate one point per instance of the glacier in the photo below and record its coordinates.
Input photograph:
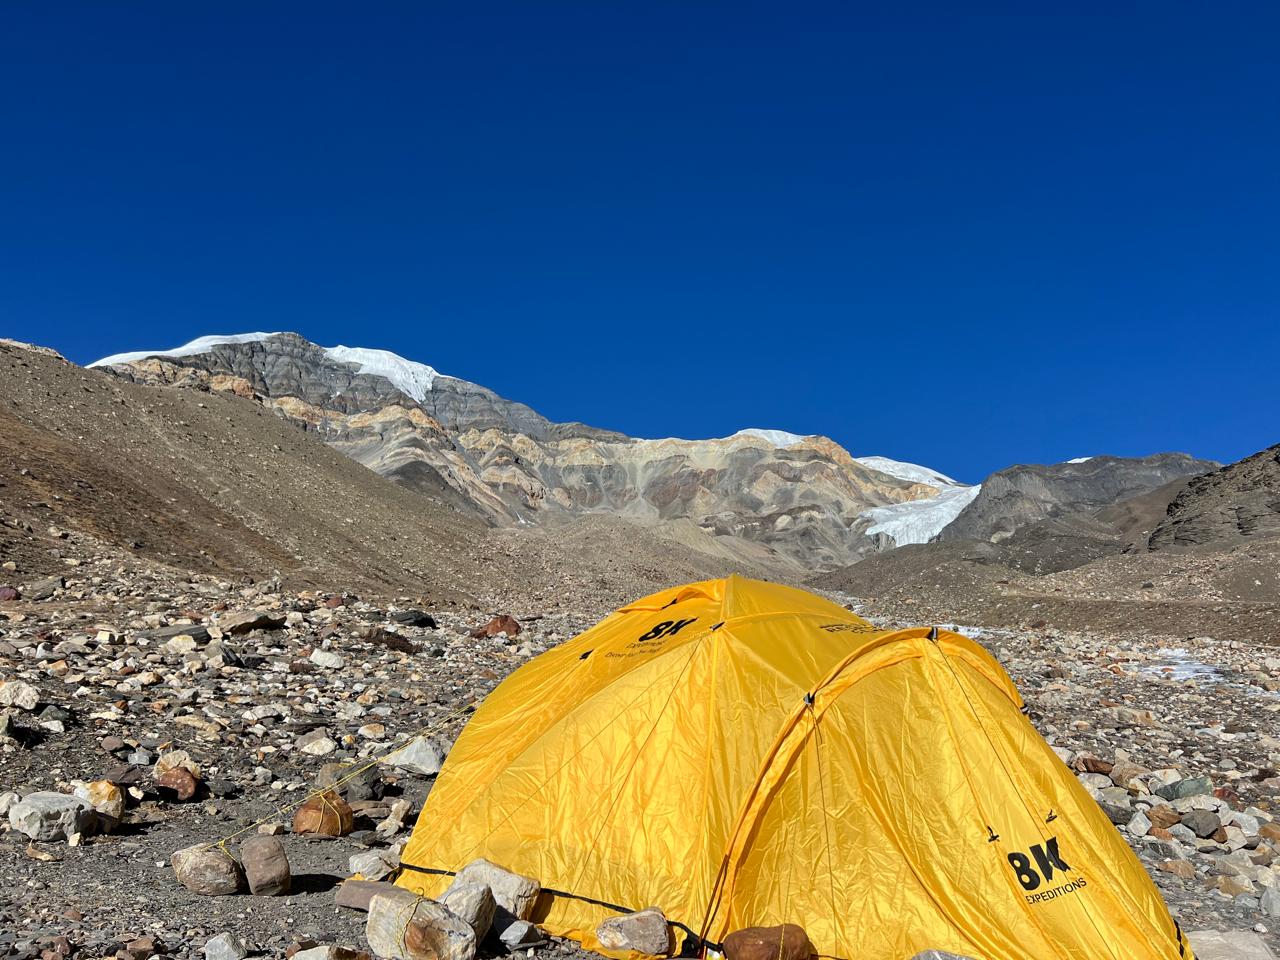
(919, 521)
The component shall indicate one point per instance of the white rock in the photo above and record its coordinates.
(15, 693)
(421, 756)
(327, 659)
(513, 892)
(225, 946)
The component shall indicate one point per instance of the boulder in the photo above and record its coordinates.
(8, 593)
(414, 618)
(784, 942)
(43, 589)
(518, 934)
(107, 801)
(514, 893)
(15, 693)
(51, 816)
(1201, 822)
(373, 864)
(326, 814)
(504, 623)
(178, 784)
(225, 946)
(403, 926)
(238, 623)
(472, 902)
(357, 894)
(172, 759)
(327, 659)
(645, 931)
(266, 866)
(208, 871)
(330, 952)
(419, 756)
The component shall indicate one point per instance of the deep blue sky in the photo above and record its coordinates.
(960, 235)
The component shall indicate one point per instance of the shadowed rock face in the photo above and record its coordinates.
(464, 446)
(1020, 496)
(1237, 504)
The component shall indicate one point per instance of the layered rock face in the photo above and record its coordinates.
(1065, 494)
(463, 445)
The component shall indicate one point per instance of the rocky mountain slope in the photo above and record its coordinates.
(1237, 504)
(1175, 560)
(799, 500)
(1024, 494)
(211, 482)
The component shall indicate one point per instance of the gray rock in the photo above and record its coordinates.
(518, 934)
(472, 902)
(51, 816)
(225, 946)
(513, 892)
(208, 871)
(1271, 902)
(1195, 786)
(1139, 824)
(645, 931)
(43, 589)
(1201, 822)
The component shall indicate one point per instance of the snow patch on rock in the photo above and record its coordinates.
(196, 346)
(409, 377)
(779, 438)
(911, 472)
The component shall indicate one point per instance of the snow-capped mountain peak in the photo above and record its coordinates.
(411, 378)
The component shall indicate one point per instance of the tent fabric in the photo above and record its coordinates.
(741, 753)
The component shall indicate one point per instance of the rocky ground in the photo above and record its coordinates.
(117, 664)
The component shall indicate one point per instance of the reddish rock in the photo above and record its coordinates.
(9, 593)
(266, 867)
(501, 624)
(785, 942)
(326, 815)
(1092, 764)
(178, 784)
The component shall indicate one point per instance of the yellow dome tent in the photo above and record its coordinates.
(745, 754)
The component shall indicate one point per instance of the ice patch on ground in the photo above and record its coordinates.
(197, 346)
(1080, 460)
(1177, 663)
(911, 472)
(411, 378)
(919, 521)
